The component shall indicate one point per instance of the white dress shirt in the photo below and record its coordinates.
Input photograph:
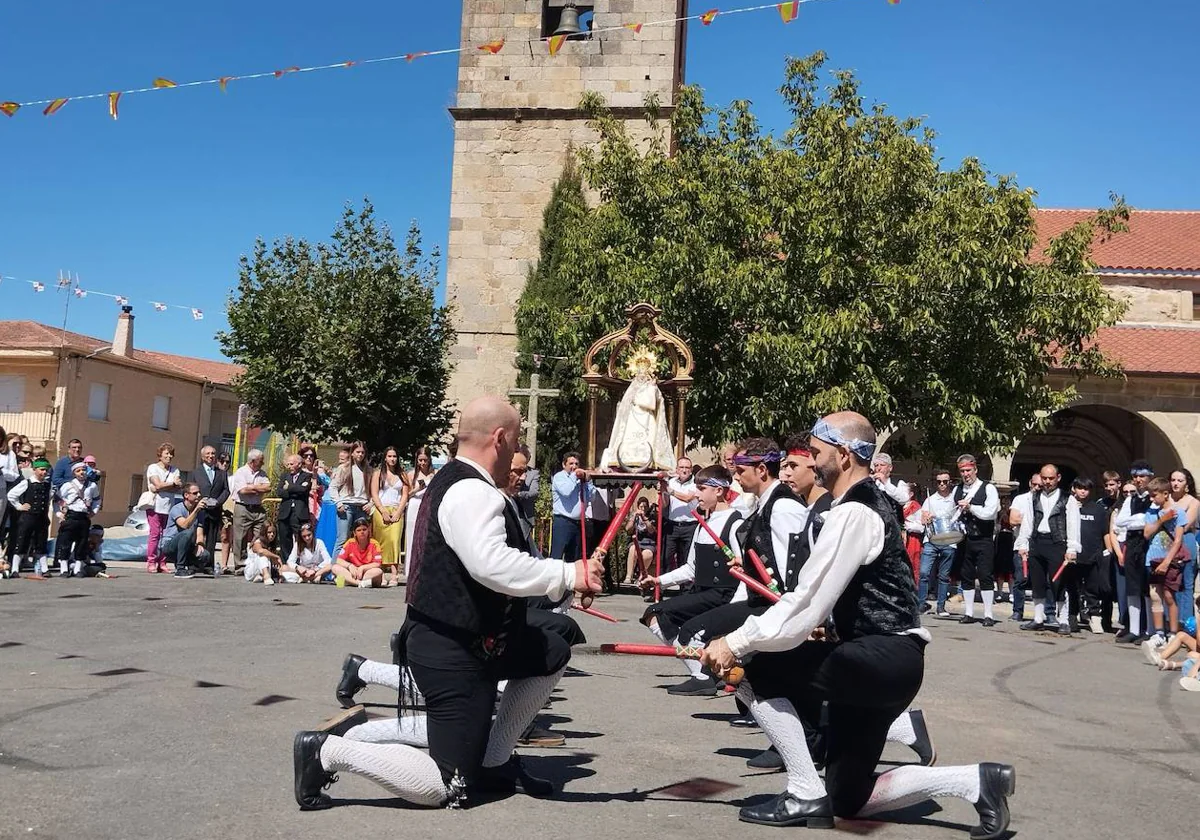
(898, 491)
(308, 558)
(788, 517)
(1022, 504)
(80, 496)
(471, 516)
(1047, 502)
(991, 500)
(939, 507)
(1126, 519)
(687, 572)
(851, 537)
(680, 511)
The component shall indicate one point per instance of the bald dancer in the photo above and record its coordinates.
(465, 631)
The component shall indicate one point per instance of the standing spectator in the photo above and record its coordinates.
(936, 558)
(418, 483)
(598, 514)
(327, 522)
(294, 492)
(881, 471)
(1164, 536)
(226, 516)
(81, 501)
(531, 485)
(389, 498)
(183, 536)
(1095, 555)
(1115, 588)
(350, 485)
(641, 529)
(1020, 510)
(310, 464)
(31, 500)
(163, 479)
(214, 491)
(248, 487)
(8, 522)
(1183, 499)
(1131, 517)
(679, 525)
(9, 472)
(914, 531)
(565, 537)
(62, 467)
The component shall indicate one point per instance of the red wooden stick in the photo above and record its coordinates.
(751, 583)
(592, 612)
(726, 550)
(583, 552)
(1058, 574)
(639, 650)
(658, 543)
(761, 569)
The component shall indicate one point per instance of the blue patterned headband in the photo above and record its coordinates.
(1142, 472)
(862, 448)
(715, 482)
(753, 460)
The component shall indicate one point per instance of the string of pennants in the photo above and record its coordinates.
(788, 12)
(70, 285)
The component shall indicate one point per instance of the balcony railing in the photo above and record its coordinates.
(36, 425)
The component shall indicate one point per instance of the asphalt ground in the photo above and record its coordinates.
(147, 707)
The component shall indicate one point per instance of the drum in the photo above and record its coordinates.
(945, 531)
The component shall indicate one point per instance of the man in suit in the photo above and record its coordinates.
(214, 491)
(294, 490)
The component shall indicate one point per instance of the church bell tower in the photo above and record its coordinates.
(517, 113)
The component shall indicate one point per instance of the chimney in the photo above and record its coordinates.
(123, 340)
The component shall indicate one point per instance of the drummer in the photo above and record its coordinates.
(942, 533)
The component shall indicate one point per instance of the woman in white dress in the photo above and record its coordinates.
(419, 482)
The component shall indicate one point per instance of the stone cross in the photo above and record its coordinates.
(533, 392)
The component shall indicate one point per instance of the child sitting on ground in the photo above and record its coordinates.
(309, 561)
(360, 561)
(263, 556)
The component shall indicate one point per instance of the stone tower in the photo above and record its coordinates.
(515, 117)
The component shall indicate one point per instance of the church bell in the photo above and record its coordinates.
(568, 24)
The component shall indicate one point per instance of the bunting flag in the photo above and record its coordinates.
(69, 283)
(636, 27)
(160, 82)
(80, 293)
(224, 82)
(158, 307)
(410, 56)
(197, 315)
(492, 47)
(38, 287)
(556, 42)
(279, 73)
(54, 106)
(121, 300)
(9, 108)
(113, 98)
(788, 11)
(709, 16)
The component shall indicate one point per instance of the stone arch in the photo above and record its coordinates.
(1090, 437)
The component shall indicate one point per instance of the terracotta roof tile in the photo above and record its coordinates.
(1153, 349)
(1157, 240)
(30, 335)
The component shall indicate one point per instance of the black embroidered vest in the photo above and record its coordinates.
(1057, 514)
(37, 496)
(756, 534)
(882, 596)
(1135, 538)
(712, 566)
(975, 527)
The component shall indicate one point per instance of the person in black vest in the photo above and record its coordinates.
(774, 530)
(1052, 534)
(294, 490)
(706, 569)
(979, 504)
(859, 573)
(214, 491)
(1094, 557)
(1132, 517)
(30, 500)
(465, 631)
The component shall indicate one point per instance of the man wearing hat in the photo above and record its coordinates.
(81, 500)
(31, 497)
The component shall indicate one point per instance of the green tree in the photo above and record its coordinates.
(343, 340)
(838, 266)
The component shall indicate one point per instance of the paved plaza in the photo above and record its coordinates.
(148, 707)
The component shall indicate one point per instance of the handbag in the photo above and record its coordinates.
(145, 501)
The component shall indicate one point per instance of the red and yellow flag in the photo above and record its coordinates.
(556, 42)
(708, 16)
(279, 73)
(893, 2)
(349, 63)
(164, 83)
(9, 108)
(54, 106)
(636, 27)
(492, 47)
(224, 82)
(411, 56)
(788, 11)
(113, 99)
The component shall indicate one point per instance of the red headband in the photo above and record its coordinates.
(804, 450)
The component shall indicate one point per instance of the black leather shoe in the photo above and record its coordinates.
(511, 777)
(1033, 625)
(1064, 630)
(968, 619)
(786, 809)
(923, 746)
(311, 777)
(988, 621)
(344, 721)
(744, 722)
(768, 759)
(997, 782)
(350, 684)
(692, 687)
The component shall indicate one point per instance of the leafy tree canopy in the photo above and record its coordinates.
(838, 266)
(343, 341)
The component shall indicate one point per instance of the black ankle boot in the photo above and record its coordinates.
(311, 777)
(768, 759)
(350, 684)
(997, 782)
(511, 777)
(787, 809)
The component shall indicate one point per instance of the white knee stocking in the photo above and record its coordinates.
(657, 631)
(1039, 612)
(401, 770)
(901, 731)
(969, 602)
(1135, 616)
(409, 729)
(989, 597)
(383, 673)
(779, 721)
(521, 702)
(911, 784)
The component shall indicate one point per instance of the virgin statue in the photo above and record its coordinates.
(639, 440)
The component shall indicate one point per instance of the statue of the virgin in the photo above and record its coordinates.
(639, 440)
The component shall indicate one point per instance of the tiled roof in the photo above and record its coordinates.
(30, 335)
(1157, 240)
(1153, 349)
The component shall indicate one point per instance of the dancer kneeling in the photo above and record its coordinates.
(464, 632)
(860, 575)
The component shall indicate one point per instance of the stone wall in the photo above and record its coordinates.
(515, 119)
(1153, 304)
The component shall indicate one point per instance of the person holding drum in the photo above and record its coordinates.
(940, 515)
(978, 504)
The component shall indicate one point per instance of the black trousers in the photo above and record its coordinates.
(72, 540)
(717, 622)
(977, 562)
(460, 688)
(1045, 556)
(289, 530)
(677, 538)
(557, 623)
(866, 683)
(29, 539)
(212, 524)
(673, 613)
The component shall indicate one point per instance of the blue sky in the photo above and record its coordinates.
(1075, 98)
